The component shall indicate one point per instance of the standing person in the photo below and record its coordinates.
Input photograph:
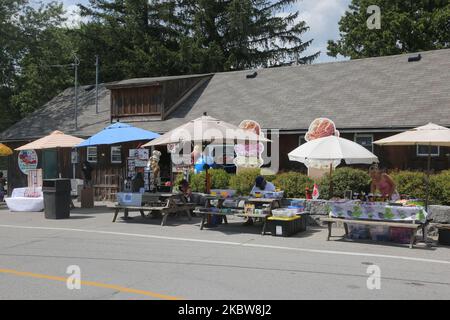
(2, 186)
(382, 182)
(87, 172)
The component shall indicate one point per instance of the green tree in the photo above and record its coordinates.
(30, 38)
(243, 34)
(133, 38)
(406, 26)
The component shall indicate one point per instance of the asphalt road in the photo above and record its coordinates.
(141, 260)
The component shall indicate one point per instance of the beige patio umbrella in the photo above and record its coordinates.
(5, 150)
(56, 139)
(428, 135)
(205, 129)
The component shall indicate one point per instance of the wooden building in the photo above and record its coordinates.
(368, 99)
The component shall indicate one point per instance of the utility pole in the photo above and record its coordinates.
(96, 84)
(76, 63)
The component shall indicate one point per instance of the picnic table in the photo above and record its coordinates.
(273, 203)
(237, 212)
(413, 226)
(163, 203)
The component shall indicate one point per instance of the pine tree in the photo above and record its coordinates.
(133, 38)
(243, 34)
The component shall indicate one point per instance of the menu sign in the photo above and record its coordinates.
(27, 160)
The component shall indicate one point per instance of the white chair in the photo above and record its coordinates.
(22, 201)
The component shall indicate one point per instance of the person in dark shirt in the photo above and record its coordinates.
(87, 172)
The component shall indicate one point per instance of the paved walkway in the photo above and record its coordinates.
(140, 259)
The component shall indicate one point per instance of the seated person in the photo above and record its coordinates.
(2, 186)
(382, 182)
(186, 190)
(260, 185)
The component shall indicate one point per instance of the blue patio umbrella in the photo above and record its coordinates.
(118, 133)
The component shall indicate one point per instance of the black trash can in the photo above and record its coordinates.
(57, 198)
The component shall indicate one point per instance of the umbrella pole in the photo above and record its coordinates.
(331, 181)
(428, 178)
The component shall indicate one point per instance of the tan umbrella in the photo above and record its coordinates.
(428, 135)
(205, 129)
(5, 150)
(56, 139)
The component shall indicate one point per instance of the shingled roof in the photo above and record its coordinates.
(376, 93)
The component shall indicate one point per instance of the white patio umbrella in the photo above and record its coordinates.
(428, 135)
(330, 151)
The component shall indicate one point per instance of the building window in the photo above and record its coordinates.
(366, 140)
(116, 154)
(422, 151)
(92, 154)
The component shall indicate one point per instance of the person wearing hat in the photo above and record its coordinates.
(261, 185)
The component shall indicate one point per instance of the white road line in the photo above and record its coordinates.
(347, 253)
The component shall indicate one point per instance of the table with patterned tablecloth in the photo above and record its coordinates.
(376, 211)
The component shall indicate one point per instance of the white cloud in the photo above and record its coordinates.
(322, 16)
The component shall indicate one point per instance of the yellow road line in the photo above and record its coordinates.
(90, 284)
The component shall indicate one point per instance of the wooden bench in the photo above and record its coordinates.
(413, 226)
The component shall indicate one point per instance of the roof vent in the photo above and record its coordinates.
(89, 88)
(416, 58)
(252, 76)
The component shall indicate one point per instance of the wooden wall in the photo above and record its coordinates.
(108, 177)
(392, 158)
(151, 100)
(139, 101)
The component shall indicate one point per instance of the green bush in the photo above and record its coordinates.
(344, 179)
(410, 183)
(244, 181)
(293, 184)
(219, 180)
(440, 188)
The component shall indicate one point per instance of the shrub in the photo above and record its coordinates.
(243, 181)
(410, 183)
(440, 188)
(293, 184)
(219, 180)
(344, 179)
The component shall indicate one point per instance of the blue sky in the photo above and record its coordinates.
(322, 17)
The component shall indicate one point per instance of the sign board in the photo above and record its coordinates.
(249, 155)
(35, 178)
(142, 154)
(320, 128)
(74, 157)
(27, 160)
